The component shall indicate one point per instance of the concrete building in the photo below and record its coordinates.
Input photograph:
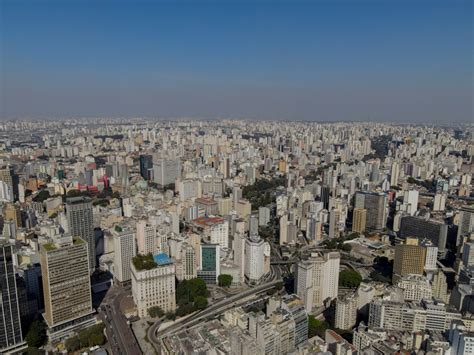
(153, 285)
(66, 285)
(376, 206)
(415, 288)
(254, 259)
(461, 339)
(81, 224)
(189, 262)
(263, 216)
(359, 217)
(209, 268)
(466, 222)
(11, 337)
(317, 279)
(409, 259)
(421, 228)
(165, 172)
(346, 311)
(124, 251)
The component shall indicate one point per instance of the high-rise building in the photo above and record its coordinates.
(209, 269)
(166, 171)
(153, 283)
(439, 286)
(124, 251)
(189, 262)
(409, 259)
(80, 224)
(317, 279)
(415, 288)
(394, 173)
(254, 258)
(146, 237)
(66, 285)
(334, 217)
(346, 312)
(359, 216)
(468, 253)
(146, 166)
(421, 228)
(263, 216)
(11, 337)
(466, 222)
(12, 212)
(375, 204)
(7, 175)
(461, 339)
(410, 201)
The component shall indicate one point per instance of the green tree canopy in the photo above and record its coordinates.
(155, 312)
(349, 278)
(36, 336)
(224, 280)
(316, 327)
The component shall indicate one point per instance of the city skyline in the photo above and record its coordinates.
(322, 61)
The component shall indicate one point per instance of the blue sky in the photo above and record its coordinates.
(387, 60)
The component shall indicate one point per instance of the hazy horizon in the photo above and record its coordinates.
(386, 61)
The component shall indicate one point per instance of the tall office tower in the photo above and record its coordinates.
(439, 203)
(6, 194)
(236, 195)
(238, 246)
(468, 253)
(421, 228)
(80, 223)
(466, 222)
(410, 201)
(146, 166)
(263, 216)
(8, 176)
(334, 216)
(124, 251)
(461, 339)
(153, 283)
(317, 279)
(394, 173)
(284, 229)
(409, 259)
(439, 286)
(313, 229)
(253, 224)
(166, 171)
(346, 312)
(146, 238)
(295, 306)
(325, 192)
(375, 204)
(11, 337)
(66, 285)
(209, 268)
(12, 212)
(359, 216)
(254, 268)
(189, 262)
(431, 255)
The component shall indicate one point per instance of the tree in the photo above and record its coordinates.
(170, 316)
(155, 312)
(279, 285)
(96, 339)
(36, 336)
(224, 280)
(349, 278)
(34, 351)
(200, 302)
(316, 327)
(73, 344)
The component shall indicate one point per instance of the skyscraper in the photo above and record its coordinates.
(166, 171)
(124, 251)
(146, 166)
(209, 269)
(8, 176)
(359, 216)
(317, 279)
(66, 285)
(254, 249)
(409, 259)
(80, 223)
(375, 204)
(11, 337)
(466, 222)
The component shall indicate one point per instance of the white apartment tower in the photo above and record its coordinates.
(317, 279)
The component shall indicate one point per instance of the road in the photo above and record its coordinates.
(119, 334)
(154, 335)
